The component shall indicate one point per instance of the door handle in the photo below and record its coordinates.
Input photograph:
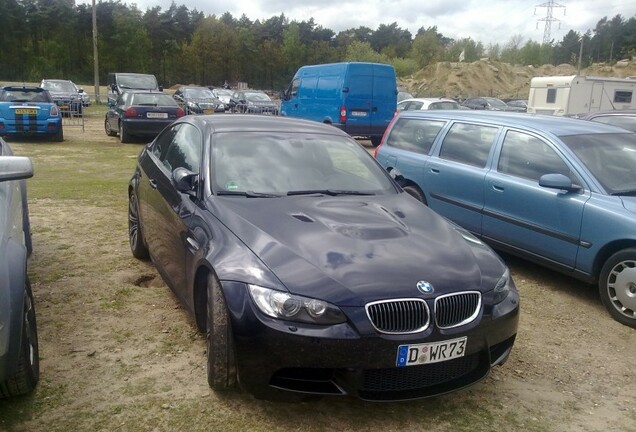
(435, 170)
(194, 245)
(153, 183)
(497, 188)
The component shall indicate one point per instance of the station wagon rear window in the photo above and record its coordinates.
(416, 135)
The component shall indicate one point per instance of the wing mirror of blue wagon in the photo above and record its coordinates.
(184, 180)
(558, 181)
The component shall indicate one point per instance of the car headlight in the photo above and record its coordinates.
(191, 104)
(282, 305)
(502, 288)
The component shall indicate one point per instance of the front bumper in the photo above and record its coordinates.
(275, 357)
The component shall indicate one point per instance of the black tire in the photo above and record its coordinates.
(416, 193)
(124, 137)
(135, 234)
(59, 136)
(617, 286)
(108, 129)
(27, 373)
(375, 141)
(220, 346)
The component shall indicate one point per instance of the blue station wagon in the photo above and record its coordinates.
(557, 191)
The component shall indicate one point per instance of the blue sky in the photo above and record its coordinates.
(488, 21)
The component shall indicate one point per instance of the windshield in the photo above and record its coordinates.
(137, 81)
(496, 102)
(222, 92)
(610, 157)
(257, 97)
(293, 163)
(198, 93)
(59, 86)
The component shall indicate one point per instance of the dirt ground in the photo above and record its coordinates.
(118, 352)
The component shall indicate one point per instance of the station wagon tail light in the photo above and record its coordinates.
(343, 114)
(130, 112)
(55, 111)
(180, 112)
(385, 135)
(289, 307)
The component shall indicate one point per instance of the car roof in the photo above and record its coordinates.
(24, 88)
(625, 112)
(57, 80)
(438, 99)
(258, 123)
(558, 126)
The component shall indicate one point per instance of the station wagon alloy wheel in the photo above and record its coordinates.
(618, 286)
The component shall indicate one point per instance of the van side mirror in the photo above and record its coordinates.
(283, 95)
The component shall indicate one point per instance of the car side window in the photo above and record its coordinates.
(526, 156)
(162, 143)
(185, 149)
(416, 135)
(468, 143)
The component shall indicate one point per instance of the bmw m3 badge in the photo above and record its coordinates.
(424, 287)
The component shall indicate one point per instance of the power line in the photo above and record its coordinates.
(549, 18)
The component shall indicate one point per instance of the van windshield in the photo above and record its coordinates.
(135, 81)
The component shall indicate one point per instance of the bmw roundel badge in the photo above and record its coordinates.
(424, 287)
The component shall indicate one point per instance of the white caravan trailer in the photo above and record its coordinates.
(571, 95)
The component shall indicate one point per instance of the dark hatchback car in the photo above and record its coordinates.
(486, 103)
(65, 94)
(142, 113)
(554, 190)
(19, 359)
(253, 102)
(311, 271)
(625, 119)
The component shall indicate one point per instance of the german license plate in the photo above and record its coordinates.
(358, 113)
(208, 111)
(29, 111)
(412, 355)
(157, 115)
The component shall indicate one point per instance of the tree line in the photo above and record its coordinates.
(53, 39)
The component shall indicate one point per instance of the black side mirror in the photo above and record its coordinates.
(185, 180)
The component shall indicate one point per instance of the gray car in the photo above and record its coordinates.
(19, 361)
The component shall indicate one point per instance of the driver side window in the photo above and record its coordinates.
(185, 149)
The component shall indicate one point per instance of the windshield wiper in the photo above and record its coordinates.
(330, 192)
(628, 192)
(249, 194)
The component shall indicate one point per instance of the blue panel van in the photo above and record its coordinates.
(359, 98)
